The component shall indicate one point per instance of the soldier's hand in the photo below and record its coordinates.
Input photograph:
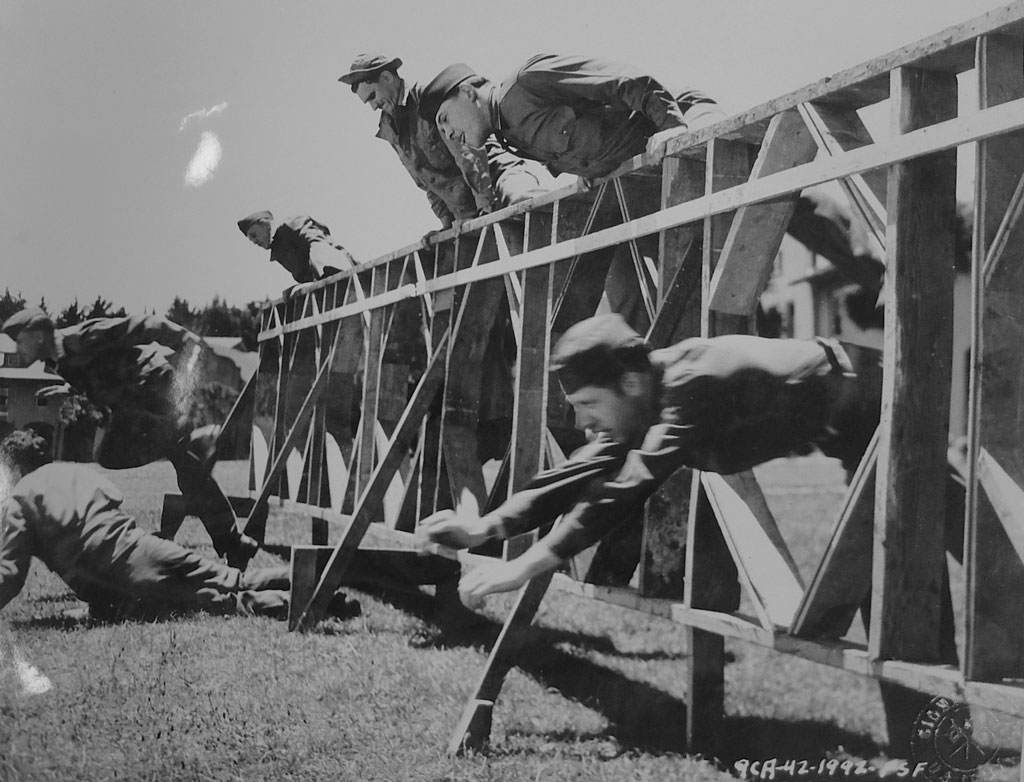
(56, 390)
(425, 242)
(449, 528)
(656, 144)
(584, 184)
(489, 578)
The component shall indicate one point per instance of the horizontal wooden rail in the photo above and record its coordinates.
(1001, 119)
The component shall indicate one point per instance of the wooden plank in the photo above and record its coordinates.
(756, 232)
(474, 726)
(371, 386)
(1002, 119)
(909, 550)
(526, 455)
(836, 130)
(763, 559)
(843, 577)
(679, 255)
(711, 585)
(950, 50)
(728, 166)
(299, 423)
(663, 547)
(369, 501)
(994, 645)
(480, 303)
(1006, 496)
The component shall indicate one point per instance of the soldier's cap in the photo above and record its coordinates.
(28, 318)
(365, 66)
(249, 221)
(598, 351)
(433, 95)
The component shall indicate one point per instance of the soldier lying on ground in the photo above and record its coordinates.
(112, 362)
(723, 404)
(69, 517)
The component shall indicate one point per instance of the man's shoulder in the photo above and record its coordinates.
(63, 474)
(302, 224)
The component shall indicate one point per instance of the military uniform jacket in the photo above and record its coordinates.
(425, 156)
(726, 404)
(70, 518)
(300, 240)
(585, 116)
(112, 360)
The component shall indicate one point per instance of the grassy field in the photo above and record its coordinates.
(600, 694)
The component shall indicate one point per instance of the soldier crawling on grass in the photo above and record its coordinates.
(114, 363)
(69, 517)
(723, 404)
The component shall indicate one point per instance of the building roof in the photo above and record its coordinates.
(235, 343)
(34, 372)
(7, 344)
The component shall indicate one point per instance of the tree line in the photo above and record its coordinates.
(214, 319)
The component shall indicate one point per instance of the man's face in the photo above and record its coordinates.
(463, 118)
(259, 234)
(381, 95)
(32, 345)
(608, 411)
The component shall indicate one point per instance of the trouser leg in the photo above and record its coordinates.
(204, 496)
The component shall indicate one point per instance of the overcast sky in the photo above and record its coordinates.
(134, 134)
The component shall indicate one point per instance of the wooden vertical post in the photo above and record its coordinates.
(531, 392)
(371, 385)
(711, 576)
(909, 550)
(994, 646)
(663, 550)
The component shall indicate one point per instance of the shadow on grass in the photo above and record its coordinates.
(641, 716)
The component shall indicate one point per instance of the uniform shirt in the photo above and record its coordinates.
(726, 404)
(425, 156)
(69, 517)
(112, 360)
(299, 241)
(585, 116)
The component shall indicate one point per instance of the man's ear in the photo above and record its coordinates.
(468, 91)
(634, 384)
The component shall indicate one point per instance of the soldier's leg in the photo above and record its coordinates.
(205, 497)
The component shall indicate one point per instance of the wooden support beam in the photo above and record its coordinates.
(369, 501)
(679, 271)
(298, 424)
(526, 455)
(909, 549)
(756, 232)
(843, 577)
(763, 560)
(371, 385)
(994, 646)
(941, 136)
(711, 585)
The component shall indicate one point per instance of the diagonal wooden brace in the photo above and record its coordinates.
(408, 427)
(474, 726)
(305, 411)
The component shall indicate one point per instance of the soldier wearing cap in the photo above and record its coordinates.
(723, 404)
(460, 185)
(114, 363)
(577, 115)
(300, 244)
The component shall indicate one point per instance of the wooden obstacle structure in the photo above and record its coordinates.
(379, 397)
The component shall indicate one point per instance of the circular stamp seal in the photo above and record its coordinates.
(945, 741)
